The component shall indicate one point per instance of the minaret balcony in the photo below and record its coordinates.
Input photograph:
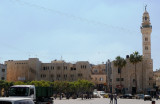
(146, 26)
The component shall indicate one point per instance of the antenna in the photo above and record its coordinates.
(145, 7)
(61, 58)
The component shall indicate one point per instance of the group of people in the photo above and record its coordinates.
(113, 96)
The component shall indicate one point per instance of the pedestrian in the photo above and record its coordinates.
(115, 98)
(111, 98)
(157, 96)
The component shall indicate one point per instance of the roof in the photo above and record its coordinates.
(13, 98)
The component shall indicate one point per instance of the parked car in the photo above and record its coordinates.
(102, 93)
(95, 94)
(139, 96)
(106, 95)
(147, 97)
(128, 96)
(13, 100)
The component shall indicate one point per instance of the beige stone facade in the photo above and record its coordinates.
(62, 71)
(33, 69)
(99, 76)
(144, 69)
(157, 78)
(144, 77)
(23, 70)
(3, 71)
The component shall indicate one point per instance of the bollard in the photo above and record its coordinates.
(153, 102)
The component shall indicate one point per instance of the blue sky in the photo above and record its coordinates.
(77, 30)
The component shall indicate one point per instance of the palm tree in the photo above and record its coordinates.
(120, 63)
(134, 59)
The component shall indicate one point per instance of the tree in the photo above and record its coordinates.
(134, 59)
(120, 63)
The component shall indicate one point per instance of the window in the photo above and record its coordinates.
(146, 47)
(73, 68)
(146, 39)
(3, 70)
(2, 78)
(80, 75)
(58, 67)
(134, 80)
(58, 75)
(72, 75)
(65, 75)
(122, 79)
(119, 70)
(145, 18)
(110, 80)
(101, 79)
(96, 78)
(83, 66)
(117, 79)
(65, 67)
(52, 75)
(44, 68)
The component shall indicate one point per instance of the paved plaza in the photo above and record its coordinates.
(102, 101)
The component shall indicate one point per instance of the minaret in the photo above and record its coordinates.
(147, 64)
(146, 30)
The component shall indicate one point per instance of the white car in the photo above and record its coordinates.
(11, 100)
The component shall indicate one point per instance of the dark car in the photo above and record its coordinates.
(128, 96)
(147, 97)
(139, 96)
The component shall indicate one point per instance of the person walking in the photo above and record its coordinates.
(115, 98)
(111, 98)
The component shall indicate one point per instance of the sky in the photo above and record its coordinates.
(76, 30)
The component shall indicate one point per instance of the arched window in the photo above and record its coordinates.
(146, 47)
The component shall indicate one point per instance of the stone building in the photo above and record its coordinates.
(62, 71)
(33, 69)
(23, 70)
(99, 76)
(3, 70)
(157, 79)
(144, 69)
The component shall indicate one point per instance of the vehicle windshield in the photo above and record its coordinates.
(5, 102)
(24, 102)
(18, 91)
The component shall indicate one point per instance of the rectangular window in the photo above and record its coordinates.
(80, 75)
(117, 79)
(146, 47)
(58, 67)
(122, 79)
(134, 80)
(44, 68)
(3, 70)
(2, 78)
(146, 39)
(119, 70)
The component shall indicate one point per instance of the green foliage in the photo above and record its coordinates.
(58, 86)
(135, 57)
(5, 85)
(119, 62)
